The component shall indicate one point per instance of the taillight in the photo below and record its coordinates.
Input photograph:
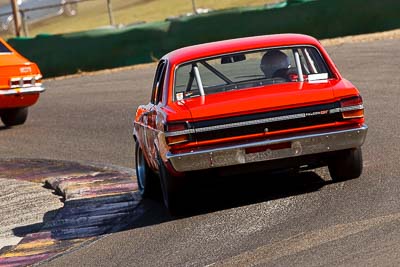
(177, 133)
(28, 81)
(352, 107)
(176, 127)
(37, 80)
(173, 140)
(16, 82)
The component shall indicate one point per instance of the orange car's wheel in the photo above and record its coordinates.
(15, 116)
(169, 187)
(148, 183)
(346, 165)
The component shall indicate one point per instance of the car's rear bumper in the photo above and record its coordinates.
(22, 91)
(270, 149)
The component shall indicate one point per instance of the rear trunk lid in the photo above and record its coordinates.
(261, 110)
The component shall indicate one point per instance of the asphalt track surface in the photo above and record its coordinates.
(253, 219)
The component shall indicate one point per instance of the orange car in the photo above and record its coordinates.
(20, 85)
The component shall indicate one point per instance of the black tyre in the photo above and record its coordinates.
(70, 9)
(15, 116)
(347, 164)
(170, 189)
(148, 182)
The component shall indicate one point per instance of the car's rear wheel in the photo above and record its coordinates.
(147, 180)
(347, 164)
(170, 189)
(15, 116)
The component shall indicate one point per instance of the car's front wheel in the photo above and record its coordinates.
(15, 116)
(147, 180)
(346, 165)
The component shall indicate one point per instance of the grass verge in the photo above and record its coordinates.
(94, 14)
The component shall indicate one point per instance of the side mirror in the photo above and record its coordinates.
(233, 59)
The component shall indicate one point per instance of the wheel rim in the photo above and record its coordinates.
(140, 170)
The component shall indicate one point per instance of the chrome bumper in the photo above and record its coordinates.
(23, 91)
(303, 144)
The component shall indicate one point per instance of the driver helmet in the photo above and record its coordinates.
(273, 61)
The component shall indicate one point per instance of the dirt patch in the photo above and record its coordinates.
(130, 4)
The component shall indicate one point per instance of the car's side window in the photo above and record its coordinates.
(4, 49)
(158, 83)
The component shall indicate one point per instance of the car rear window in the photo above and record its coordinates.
(250, 69)
(4, 49)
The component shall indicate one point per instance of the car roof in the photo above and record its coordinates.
(236, 45)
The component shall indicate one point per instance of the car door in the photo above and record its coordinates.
(150, 116)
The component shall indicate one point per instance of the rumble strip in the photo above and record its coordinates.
(97, 200)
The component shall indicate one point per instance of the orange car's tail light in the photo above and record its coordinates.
(37, 80)
(177, 133)
(352, 107)
(18, 82)
(28, 81)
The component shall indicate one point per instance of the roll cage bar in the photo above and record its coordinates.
(195, 74)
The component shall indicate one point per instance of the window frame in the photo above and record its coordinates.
(158, 82)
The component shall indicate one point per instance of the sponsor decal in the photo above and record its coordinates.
(25, 69)
(179, 96)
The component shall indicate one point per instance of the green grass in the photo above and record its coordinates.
(93, 14)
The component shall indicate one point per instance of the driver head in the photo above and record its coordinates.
(272, 61)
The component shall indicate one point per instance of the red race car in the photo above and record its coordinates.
(273, 102)
(20, 85)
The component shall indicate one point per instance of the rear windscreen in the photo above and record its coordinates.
(249, 69)
(4, 49)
